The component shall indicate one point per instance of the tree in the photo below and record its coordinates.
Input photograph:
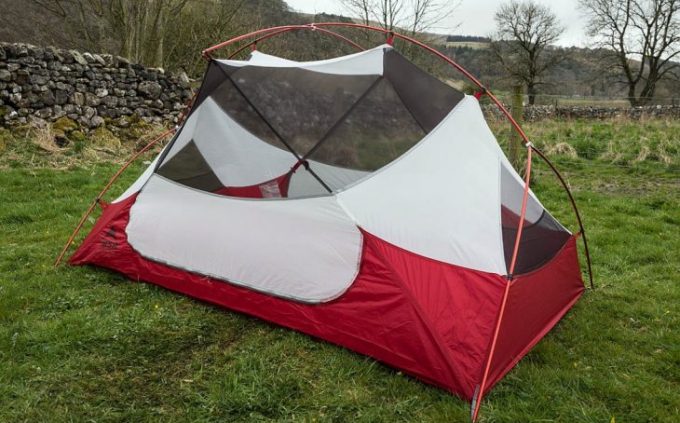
(414, 16)
(524, 33)
(643, 38)
(159, 33)
(140, 27)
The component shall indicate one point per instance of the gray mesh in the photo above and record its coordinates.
(542, 236)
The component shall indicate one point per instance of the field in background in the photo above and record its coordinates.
(85, 344)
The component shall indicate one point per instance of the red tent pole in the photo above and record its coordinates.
(390, 33)
(207, 52)
(576, 212)
(513, 262)
(503, 109)
(281, 31)
(105, 190)
(523, 213)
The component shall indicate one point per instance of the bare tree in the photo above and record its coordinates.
(643, 37)
(414, 16)
(524, 32)
(140, 27)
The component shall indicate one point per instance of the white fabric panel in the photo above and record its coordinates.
(139, 183)
(237, 157)
(368, 62)
(258, 58)
(184, 135)
(512, 196)
(440, 199)
(307, 250)
(337, 177)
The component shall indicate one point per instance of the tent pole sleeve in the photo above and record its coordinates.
(492, 348)
(576, 211)
(105, 190)
(522, 216)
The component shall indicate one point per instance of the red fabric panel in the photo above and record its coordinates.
(430, 319)
(536, 302)
(257, 191)
(461, 304)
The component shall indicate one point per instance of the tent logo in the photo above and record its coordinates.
(109, 239)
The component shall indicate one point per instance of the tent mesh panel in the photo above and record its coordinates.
(354, 122)
(542, 236)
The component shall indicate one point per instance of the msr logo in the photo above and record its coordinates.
(108, 240)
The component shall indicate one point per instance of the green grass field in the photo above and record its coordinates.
(82, 344)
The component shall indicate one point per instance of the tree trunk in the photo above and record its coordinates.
(531, 92)
(632, 99)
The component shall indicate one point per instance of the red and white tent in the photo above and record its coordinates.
(359, 200)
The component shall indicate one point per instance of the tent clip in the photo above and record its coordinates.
(529, 144)
(478, 94)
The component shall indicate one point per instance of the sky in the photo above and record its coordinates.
(475, 17)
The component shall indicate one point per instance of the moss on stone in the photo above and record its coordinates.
(63, 126)
(102, 137)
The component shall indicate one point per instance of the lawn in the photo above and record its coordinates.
(83, 344)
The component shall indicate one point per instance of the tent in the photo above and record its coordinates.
(359, 200)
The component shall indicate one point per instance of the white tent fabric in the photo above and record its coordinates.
(368, 62)
(441, 199)
(312, 250)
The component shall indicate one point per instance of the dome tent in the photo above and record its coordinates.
(359, 200)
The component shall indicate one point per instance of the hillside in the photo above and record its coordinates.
(581, 73)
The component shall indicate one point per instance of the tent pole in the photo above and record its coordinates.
(574, 207)
(275, 33)
(522, 215)
(513, 262)
(113, 179)
(492, 348)
(105, 190)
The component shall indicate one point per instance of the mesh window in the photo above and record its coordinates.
(542, 236)
(427, 98)
(302, 105)
(377, 130)
(345, 125)
(190, 168)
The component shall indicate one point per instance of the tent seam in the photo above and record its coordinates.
(419, 311)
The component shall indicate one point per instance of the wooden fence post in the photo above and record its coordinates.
(517, 114)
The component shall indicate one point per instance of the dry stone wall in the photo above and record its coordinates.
(47, 84)
(537, 113)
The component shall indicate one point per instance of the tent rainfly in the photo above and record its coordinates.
(359, 200)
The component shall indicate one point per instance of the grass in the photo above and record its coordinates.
(82, 344)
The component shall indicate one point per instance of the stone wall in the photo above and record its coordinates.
(537, 113)
(46, 84)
